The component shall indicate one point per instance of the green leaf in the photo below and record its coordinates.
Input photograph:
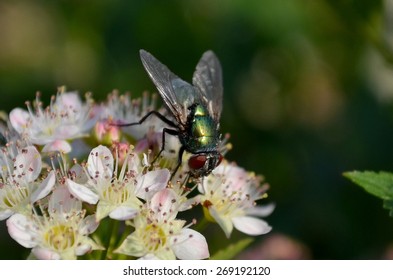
(232, 250)
(378, 184)
(388, 204)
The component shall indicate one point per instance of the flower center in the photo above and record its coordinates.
(15, 196)
(227, 201)
(154, 237)
(60, 237)
(117, 193)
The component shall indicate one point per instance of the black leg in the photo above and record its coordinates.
(157, 114)
(164, 131)
(169, 131)
(179, 160)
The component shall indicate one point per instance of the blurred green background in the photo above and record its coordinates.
(308, 92)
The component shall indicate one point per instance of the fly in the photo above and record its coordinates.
(196, 110)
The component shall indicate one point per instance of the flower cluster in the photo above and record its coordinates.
(76, 184)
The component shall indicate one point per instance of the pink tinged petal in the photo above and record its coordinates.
(57, 146)
(62, 202)
(82, 192)
(45, 254)
(100, 162)
(152, 182)
(251, 226)
(69, 100)
(89, 225)
(190, 245)
(261, 211)
(223, 221)
(19, 119)
(21, 229)
(5, 214)
(123, 213)
(27, 165)
(45, 187)
(162, 204)
(141, 145)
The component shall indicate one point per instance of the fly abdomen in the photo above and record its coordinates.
(202, 135)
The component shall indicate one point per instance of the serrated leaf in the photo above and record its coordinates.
(378, 184)
(232, 250)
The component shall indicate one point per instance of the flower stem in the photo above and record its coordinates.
(113, 238)
(202, 224)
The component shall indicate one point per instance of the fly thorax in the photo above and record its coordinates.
(203, 134)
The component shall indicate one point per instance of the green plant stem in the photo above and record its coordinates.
(201, 225)
(113, 238)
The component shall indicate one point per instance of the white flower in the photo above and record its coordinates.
(159, 235)
(117, 191)
(64, 119)
(228, 197)
(20, 186)
(61, 234)
(121, 109)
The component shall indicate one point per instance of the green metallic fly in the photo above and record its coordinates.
(196, 110)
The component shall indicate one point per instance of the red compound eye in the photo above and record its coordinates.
(197, 162)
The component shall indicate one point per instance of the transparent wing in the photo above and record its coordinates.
(177, 94)
(208, 81)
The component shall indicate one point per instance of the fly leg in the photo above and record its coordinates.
(164, 131)
(170, 131)
(157, 114)
(179, 160)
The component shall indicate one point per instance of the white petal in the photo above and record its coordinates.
(69, 101)
(68, 131)
(261, 211)
(82, 249)
(21, 229)
(162, 203)
(63, 203)
(57, 146)
(45, 187)
(45, 254)
(152, 182)
(133, 245)
(149, 257)
(5, 214)
(27, 165)
(202, 186)
(19, 119)
(189, 203)
(79, 175)
(223, 221)
(82, 192)
(103, 209)
(86, 245)
(89, 225)
(190, 245)
(134, 163)
(250, 225)
(100, 162)
(123, 213)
